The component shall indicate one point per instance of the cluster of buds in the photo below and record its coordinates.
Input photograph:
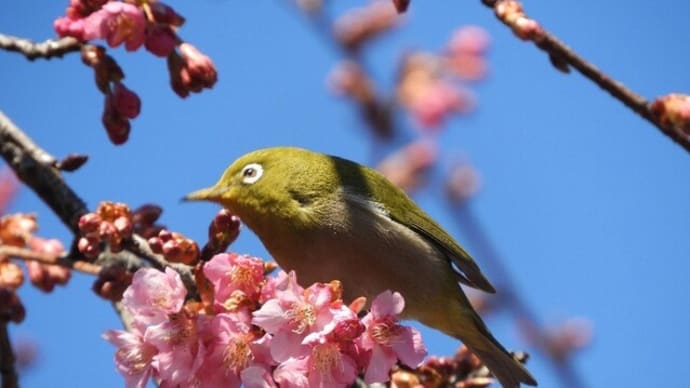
(510, 12)
(360, 25)
(408, 167)
(175, 247)
(17, 240)
(259, 331)
(673, 112)
(152, 25)
(110, 224)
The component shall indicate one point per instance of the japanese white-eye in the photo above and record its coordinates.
(329, 218)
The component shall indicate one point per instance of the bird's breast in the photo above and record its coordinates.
(367, 251)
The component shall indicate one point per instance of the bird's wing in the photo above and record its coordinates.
(400, 208)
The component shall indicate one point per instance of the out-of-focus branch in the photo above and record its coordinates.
(36, 168)
(28, 254)
(510, 295)
(48, 49)
(562, 57)
(8, 371)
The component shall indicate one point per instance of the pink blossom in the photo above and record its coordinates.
(436, 101)
(387, 340)
(75, 28)
(154, 295)
(469, 40)
(235, 356)
(234, 276)
(133, 357)
(179, 350)
(325, 365)
(117, 22)
(125, 101)
(293, 314)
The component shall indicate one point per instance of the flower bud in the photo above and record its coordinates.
(11, 275)
(125, 101)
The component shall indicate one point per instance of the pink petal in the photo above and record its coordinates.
(408, 346)
(292, 373)
(387, 303)
(380, 364)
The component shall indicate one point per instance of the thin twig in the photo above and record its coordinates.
(8, 370)
(559, 54)
(51, 48)
(27, 254)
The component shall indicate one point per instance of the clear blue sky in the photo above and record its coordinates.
(589, 204)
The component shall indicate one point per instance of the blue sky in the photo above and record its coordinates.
(587, 203)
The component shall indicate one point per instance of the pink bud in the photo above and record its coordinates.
(125, 101)
(165, 14)
(160, 40)
(201, 70)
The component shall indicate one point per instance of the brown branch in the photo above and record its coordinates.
(35, 168)
(27, 254)
(8, 370)
(563, 56)
(48, 49)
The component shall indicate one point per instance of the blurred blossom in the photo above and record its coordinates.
(466, 52)
(310, 5)
(570, 336)
(349, 79)
(8, 188)
(360, 25)
(462, 182)
(407, 167)
(428, 95)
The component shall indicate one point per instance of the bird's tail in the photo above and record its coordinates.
(509, 372)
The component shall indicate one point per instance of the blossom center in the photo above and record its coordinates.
(301, 316)
(237, 354)
(326, 357)
(242, 275)
(136, 358)
(384, 331)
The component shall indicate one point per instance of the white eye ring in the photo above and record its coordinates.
(251, 173)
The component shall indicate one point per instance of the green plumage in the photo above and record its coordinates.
(329, 218)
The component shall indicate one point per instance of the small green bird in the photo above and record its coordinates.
(329, 218)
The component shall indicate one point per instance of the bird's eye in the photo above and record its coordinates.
(251, 173)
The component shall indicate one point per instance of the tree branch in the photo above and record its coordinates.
(8, 371)
(48, 49)
(27, 254)
(562, 56)
(36, 168)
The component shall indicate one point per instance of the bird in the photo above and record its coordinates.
(328, 218)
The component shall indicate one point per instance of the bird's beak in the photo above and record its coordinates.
(208, 194)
